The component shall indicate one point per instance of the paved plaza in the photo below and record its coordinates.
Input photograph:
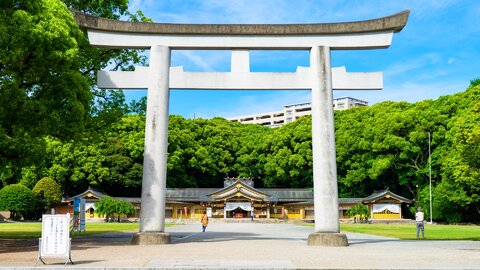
(251, 245)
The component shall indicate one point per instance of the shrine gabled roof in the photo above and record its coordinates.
(385, 193)
(238, 189)
(392, 23)
(87, 193)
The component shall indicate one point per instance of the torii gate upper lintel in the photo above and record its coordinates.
(159, 78)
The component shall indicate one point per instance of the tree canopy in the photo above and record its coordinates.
(18, 199)
(48, 192)
(110, 207)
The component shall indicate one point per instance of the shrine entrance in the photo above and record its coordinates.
(242, 210)
(319, 77)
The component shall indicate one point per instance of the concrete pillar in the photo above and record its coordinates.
(327, 226)
(268, 211)
(152, 216)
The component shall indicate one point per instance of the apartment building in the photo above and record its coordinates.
(292, 112)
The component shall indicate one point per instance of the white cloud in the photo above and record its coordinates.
(451, 60)
(412, 64)
(414, 91)
(202, 60)
(142, 5)
(197, 60)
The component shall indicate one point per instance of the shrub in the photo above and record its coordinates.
(48, 192)
(110, 207)
(359, 210)
(18, 199)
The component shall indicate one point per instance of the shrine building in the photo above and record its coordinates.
(239, 197)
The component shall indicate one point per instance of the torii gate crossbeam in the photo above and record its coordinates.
(159, 78)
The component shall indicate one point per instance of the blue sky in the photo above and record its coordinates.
(436, 54)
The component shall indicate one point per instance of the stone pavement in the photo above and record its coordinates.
(250, 246)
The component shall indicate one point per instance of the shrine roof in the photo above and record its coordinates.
(239, 188)
(87, 193)
(385, 193)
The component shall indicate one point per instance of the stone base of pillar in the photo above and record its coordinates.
(151, 238)
(328, 239)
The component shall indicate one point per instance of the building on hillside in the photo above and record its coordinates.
(239, 197)
(292, 112)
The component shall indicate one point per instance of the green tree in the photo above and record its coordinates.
(17, 199)
(107, 106)
(42, 90)
(39, 71)
(458, 194)
(110, 207)
(288, 155)
(475, 82)
(359, 210)
(48, 192)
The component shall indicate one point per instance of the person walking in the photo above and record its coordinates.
(204, 220)
(420, 218)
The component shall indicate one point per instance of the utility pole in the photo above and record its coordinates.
(418, 197)
(430, 176)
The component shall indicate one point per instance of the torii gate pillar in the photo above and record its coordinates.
(327, 227)
(152, 215)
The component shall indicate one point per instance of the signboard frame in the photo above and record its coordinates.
(55, 241)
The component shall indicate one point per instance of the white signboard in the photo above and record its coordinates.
(209, 212)
(55, 240)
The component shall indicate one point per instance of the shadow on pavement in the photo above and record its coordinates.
(213, 236)
(357, 241)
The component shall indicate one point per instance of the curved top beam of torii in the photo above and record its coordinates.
(375, 33)
(394, 22)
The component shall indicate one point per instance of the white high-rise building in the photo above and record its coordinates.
(292, 112)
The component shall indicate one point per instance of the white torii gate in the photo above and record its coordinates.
(159, 78)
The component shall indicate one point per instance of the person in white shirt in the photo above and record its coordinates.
(420, 218)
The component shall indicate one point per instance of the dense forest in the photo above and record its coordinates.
(54, 122)
(384, 145)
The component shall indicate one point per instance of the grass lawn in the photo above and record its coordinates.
(33, 229)
(408, 231)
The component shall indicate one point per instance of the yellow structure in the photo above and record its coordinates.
(384, 204)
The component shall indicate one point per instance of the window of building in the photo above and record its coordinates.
(247, 119)
(304, 109)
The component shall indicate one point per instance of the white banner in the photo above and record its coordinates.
(246, 206)
(378, 208)
(89, 205)
(55, 236)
